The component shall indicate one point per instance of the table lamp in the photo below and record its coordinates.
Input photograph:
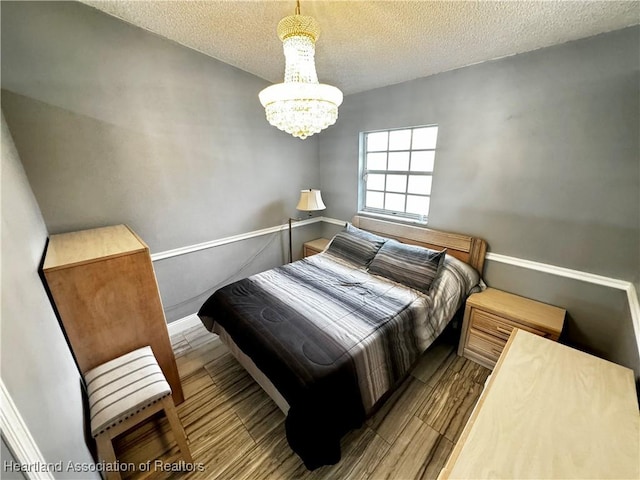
(310, 201)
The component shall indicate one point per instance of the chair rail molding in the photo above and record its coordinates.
(626, 286)
(234, 238)
(634, 306)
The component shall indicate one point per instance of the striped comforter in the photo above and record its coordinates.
(332, 338)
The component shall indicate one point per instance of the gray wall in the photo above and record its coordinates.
(199, 274)
(598, 318)
(37, 368)
(116, 125)
(538, 154)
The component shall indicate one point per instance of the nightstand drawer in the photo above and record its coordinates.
(490, 317)
(315, 246)
(484, 345)
(497, 326)
(310, 251)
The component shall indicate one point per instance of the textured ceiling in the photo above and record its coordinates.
(369, 44)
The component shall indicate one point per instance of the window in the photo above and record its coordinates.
(397, 171)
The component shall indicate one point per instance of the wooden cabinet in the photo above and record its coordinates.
(491, 316)
(104, 287)
(549, 411)
(315, 246)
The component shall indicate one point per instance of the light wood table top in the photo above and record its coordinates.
(550, 411)
(76, 248)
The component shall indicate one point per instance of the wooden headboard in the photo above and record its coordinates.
(464, 247)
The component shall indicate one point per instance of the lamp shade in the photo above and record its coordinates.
(310, 200)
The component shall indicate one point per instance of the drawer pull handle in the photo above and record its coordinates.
(504, 330)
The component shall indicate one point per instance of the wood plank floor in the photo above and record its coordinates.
(236, 432)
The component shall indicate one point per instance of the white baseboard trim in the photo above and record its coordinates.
(18, 437)
(183, 324)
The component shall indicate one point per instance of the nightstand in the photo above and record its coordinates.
(490, 316)
(315, 246)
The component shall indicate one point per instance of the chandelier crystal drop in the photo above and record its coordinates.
(301, 105)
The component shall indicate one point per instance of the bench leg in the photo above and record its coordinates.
(106, 454)
(176, 426)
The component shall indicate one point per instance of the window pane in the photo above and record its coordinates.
(424, 138)
(420, 184)
(398, 176)
(377, 141)
(396, 183)
(399, 139)
(417, 205)
(375, 200)
(375, 181)
(376, 161)
(394, 201)
(422, 161)
(399, 161)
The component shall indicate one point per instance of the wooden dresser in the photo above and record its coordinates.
(104, 287)
(549, 411)
(490, 317)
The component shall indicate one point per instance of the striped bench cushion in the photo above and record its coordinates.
(122, 387)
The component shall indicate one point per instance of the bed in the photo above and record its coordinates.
(329, 336)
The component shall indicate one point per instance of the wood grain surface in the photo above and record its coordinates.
(109, 305)
(315, 246)
(550, 411)
(75, 248)
(237, 432)
(490, 317)
(530, 312)
(464, 247)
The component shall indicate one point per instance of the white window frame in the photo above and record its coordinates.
(364, 171)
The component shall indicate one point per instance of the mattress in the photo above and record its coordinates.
(327, 340)
(244, 360)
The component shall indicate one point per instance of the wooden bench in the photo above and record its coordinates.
(122, 393)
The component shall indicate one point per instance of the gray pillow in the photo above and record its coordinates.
(413, 266)
(355, 245)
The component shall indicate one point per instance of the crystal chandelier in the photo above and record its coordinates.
(300, 106)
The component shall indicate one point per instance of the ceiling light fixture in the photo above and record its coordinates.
(300, 106)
